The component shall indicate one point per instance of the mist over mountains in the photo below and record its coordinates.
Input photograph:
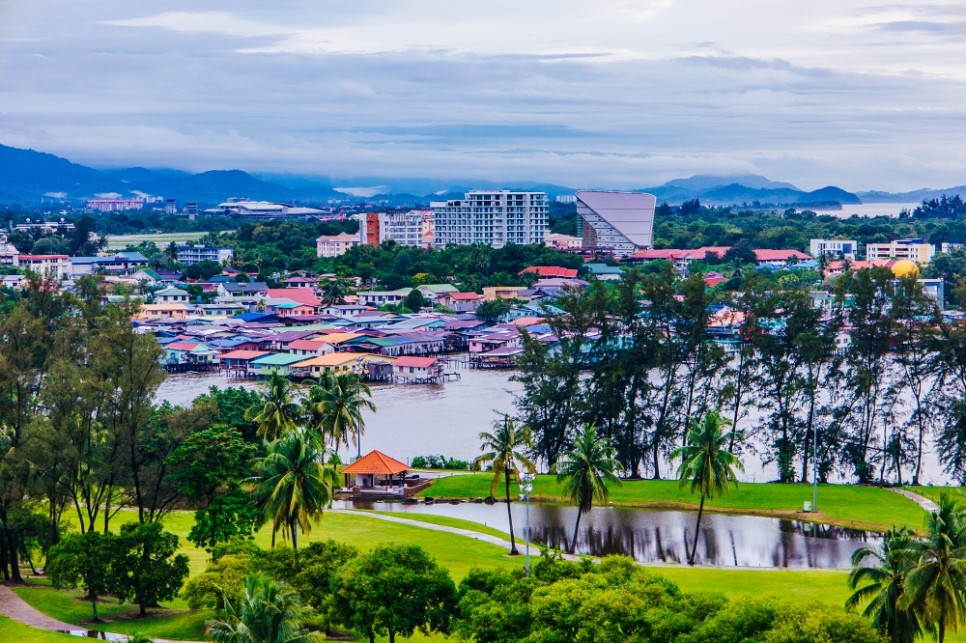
(30, 178)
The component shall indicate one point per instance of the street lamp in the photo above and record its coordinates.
(526, 487)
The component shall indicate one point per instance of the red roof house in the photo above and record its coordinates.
(550, 271)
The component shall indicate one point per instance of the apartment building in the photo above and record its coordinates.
(912, 249)
(491, 217)
(189, 254)
(837, 248)
(335, 245)
(405, 228)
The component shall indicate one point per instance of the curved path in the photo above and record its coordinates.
(922, 501)
(17, 609)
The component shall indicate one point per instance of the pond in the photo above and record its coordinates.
(661, 536)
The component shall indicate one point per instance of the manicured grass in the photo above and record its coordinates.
(159, 239)
(14, 631)
(847, 505)
(933, 493)
(69, 606)
(446, 521)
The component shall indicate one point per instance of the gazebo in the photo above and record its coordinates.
(376, 469)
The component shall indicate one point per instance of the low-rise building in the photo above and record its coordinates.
(335, 245)
(835, 248)
(915, 250)
(190, 254)
(382, 297)
(56, 265)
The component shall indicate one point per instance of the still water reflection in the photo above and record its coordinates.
(665, 536)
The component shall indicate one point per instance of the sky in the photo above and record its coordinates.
(614, 94)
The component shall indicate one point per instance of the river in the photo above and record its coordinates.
(447, 419)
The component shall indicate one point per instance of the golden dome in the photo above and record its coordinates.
(905, 268)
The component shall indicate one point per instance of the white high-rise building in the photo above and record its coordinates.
(492, 217)
(405, 228)
(617, 222)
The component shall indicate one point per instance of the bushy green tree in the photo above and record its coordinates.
(86, 561)
(147, 568)
(394, 589)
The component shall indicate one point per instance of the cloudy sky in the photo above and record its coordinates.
(611, 93)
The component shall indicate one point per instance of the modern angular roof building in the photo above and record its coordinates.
(619, 222)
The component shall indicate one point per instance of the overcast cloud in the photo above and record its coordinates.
(618, 94)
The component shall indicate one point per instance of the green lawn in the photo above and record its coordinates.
(160, 239)
(14, 631)
(846, 505)
(933, 493)
(459, 554)
(446, 521)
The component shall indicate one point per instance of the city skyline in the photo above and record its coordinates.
(621, 95)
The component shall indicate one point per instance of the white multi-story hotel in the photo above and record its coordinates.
(492, 217)
(620, 223)
(838, 248)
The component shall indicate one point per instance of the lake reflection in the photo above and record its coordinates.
(665, 536)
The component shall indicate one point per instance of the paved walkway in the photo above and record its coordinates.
(922, 501)
(17, 609)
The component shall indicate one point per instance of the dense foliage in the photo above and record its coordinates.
(871, 374)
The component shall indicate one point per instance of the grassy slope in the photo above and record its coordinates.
(851, 506)
(459, 554)
(13, 631)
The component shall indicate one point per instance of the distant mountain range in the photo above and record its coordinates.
(30, 178)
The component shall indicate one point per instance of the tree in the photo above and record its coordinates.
(210, 467)
(294, 484)
(936, 584)
(415, 301)
(83, 560)
(493, 311)
(394, 589)
(503, 452)
(267, 612)
(585, 469)
(885, 585)
(334, 291)
(278, 413)
(339, 409)
(707, 464)
(146, 569)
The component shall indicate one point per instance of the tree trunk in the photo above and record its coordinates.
(509, 515)
(573, 544)
(295, 540)
(697, 527)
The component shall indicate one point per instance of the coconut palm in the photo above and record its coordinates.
(585, 469)
(339, 409)
(268, 612)
(936, 585)
(707, 463)
(503, 451)
(884, 569)
(294, 484)
(278, 414)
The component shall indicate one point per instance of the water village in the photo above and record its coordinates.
(252, 330)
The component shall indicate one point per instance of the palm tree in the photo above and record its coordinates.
(278, 414)
(268, 612)
(294, 484)
(585, 469)
(890, 562)
(707, 463)
(936, 585)
(339, 409)
(334, 291)
(503, 451)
